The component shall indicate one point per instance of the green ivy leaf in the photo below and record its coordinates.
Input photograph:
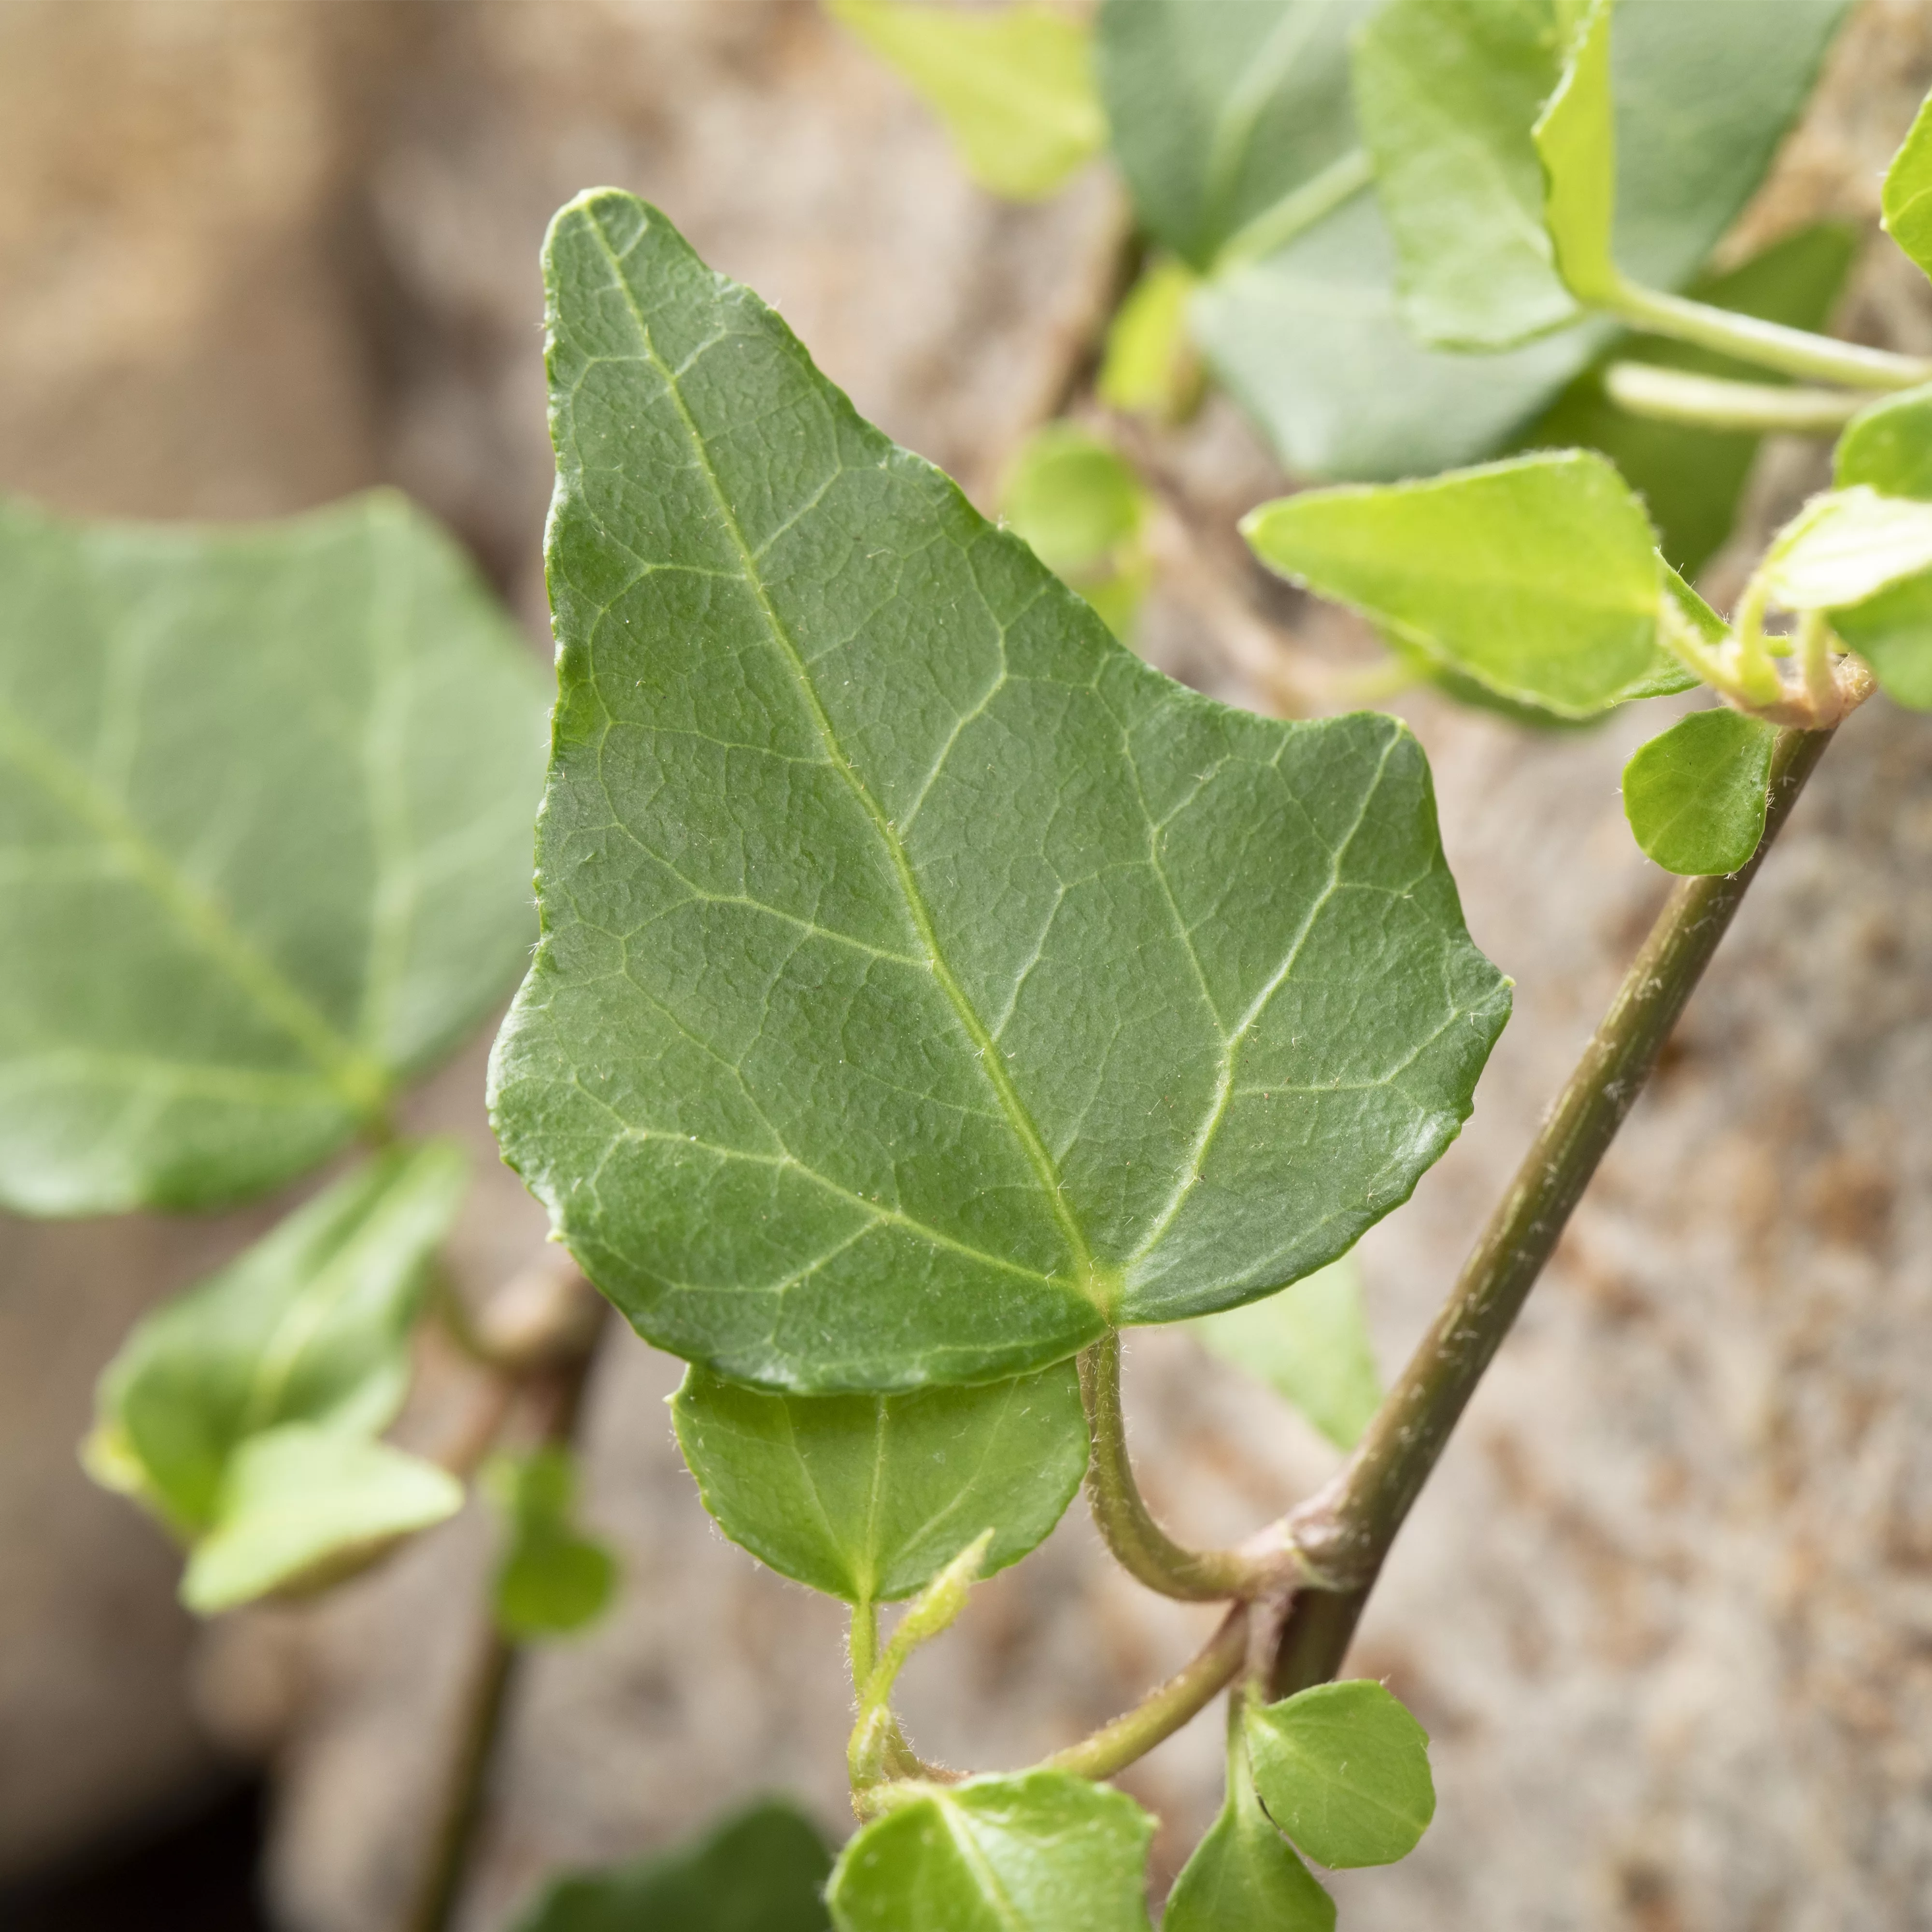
(266, 796)
(1244, 1877)
(1847, 545)
(868, 1497)
(1888, 448)
(1041, 1852)
(1081, 508)
(763, 1870)
(1906, 200)
(1343, 1769)
(1692, 479)
(926, 982)
(1537, 576)
(1149, 368)
(1695, 796)
(1014, 87)
(553, 1580)
(1310, 1344)
(310, 1325)
(300, 1505)
(1576, 140)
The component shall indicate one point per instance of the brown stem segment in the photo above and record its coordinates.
(1344, 1533)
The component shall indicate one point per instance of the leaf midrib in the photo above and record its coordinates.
(361, 1083)
(1019, 1119)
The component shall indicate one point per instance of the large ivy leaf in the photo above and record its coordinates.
(1888, 448)
(1244, 1877)
(553, 1580)
(926, 982)
(310, 1325)
(1014, 87)
(1343, 1769)
(1537, 576)
(867, 1497)
(1041, 1852)
(763, 1870)
(264, 798)
(1697, 795)
(1907, 196)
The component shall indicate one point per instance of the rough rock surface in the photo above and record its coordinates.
(1667, 1610)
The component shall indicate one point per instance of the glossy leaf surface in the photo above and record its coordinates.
(1310, 1343)
(1343, 1769)
(1244, 1875)
(264, 794)
(867, 1497)
(926, 982)
(763, 1870)
(1013, 85)
(1537, 576)
(1888, 448)
(1043, 1853)
(1907, 196)
(310, 1325)
(1846, 546)
(553, 1579)
(1695, 796)
(298, 1504)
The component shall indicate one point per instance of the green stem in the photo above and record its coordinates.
(1344, 1533)
(1297, 211)
(1771, 345)
(1139, 1544)
(1162, 1712)
(1709, 402)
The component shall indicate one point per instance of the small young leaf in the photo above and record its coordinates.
(1244, 1877)
(1906, 200)
(1310, 1342)
(1041, 1852)
(553, 1579)
(1847, 545)
(763, 1870)
(866, 1497)
(311, 1324)
(1081, 507)
(299, 1503)
(1014, 86)
(1576, 138)
(266, 796)
(1150, 368)
(927, 984)
(1343, 1769)
(1696, 795)
(1537, 575)
(1889, 447)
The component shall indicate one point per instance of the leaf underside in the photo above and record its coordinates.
(925, 983)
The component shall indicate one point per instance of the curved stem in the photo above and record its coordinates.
(1139, 1544)
(1344, 1533)
(1710, 402)
(1162, 1712)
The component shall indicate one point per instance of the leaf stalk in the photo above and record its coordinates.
(1710, 402)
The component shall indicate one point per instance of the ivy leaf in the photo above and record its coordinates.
(1244, 1877)
(299, 1505)
(1014, 87)
(1149, 368)
(1080, 506)
(1888, 448)
(1695, 796)
(1537, 576)
(553, 1579)
(1310, 1343)
(1041, 1852)
(868, 1497)
(1576, 138)
(1343, 1769)
(266, 795)
(1847, 545)
(1691, 479)
(926, 982)
(1907, 199)
(310, 1325)
(763, 1871)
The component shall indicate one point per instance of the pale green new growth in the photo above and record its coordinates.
(1907, 197)
(1889, 448)
(1343, 1770)
(1695, 796)
(1013, 85)
(865, 1497)
(1149, 366)
(1310, 1343)
(927, 984)
(1083, 512)
(1041, 1852)
(1576, 142)
(266, 793)
(1846, 546)
(553, 1579)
